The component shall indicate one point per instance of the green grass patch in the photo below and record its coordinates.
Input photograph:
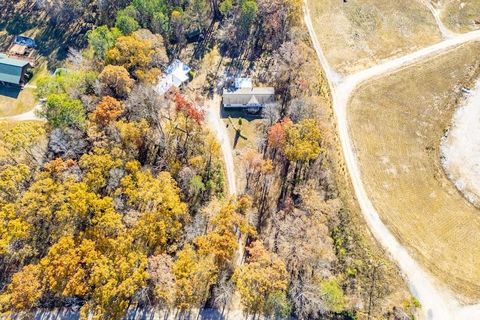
(14, 101)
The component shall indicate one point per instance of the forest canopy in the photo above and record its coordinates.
(117, 198)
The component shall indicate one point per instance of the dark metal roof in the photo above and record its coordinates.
(11, 70)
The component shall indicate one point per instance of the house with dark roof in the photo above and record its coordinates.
(13, 71)
(245, 96)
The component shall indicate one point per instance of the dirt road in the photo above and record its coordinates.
(218, 127)
(437, 301)
(27, 116)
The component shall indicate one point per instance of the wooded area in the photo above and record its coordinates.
(119, 200)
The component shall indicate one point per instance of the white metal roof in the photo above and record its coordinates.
(175, 75)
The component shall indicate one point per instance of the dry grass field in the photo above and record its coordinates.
(396, 123)
(13, 101)
(360, 33)
(460, 15)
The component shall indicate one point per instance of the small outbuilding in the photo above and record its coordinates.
(22, 47)
(13, 71)
(245, 96)
(25, 41)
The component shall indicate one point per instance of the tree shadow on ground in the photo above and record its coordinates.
(52, 39)
(18, 24)
(143, 313)
(62, 314)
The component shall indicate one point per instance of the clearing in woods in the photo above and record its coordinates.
(361, 33)
(14, 101)
(396, 123)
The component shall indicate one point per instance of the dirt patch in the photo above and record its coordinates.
(397, 122)
(14, 101)
(361, 33)
(461, 148)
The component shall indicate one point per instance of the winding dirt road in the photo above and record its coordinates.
(437, 301)
(26, 116)
(436, 14)
(218, 126)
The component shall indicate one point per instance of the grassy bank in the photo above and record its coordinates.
(396, 126)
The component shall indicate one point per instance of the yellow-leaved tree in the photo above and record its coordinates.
(222, 241)
(67, 268)
(194, 275)
(116, 279)
(96, 167)
(12, 229)
(13, 182)
(157, 200)
(22, 142)
(116, 81)
(263, 278)
(302, 141)
(131, 52)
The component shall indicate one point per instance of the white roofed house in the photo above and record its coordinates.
(175, 75)
(245, 96)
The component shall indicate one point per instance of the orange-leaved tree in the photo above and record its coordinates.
(106, 111)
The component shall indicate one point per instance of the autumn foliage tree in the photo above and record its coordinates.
(277, 135)
(24, 291)
(222, 241)
(136, 55)
(97, 168)
(67, 268)
(116, 81)
(302, 141)
(22, 142)
(13, 182)
(107, 110)
(161, 211)
(130, 52)
(189, 109)
(261, 278)
(194, 275)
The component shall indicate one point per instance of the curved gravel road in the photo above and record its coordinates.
(218, 126)
(437, 301)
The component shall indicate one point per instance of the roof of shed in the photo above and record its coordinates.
(11, 69)
(13, 62)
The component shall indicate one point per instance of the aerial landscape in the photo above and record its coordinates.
(240, 159)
